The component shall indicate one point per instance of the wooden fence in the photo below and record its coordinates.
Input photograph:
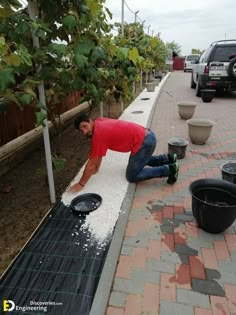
(15, 122)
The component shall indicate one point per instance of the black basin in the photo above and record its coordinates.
(86, 203)
(213, 204)
(208, 95)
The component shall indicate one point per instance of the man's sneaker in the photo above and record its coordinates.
(172, 158)
(172, 178)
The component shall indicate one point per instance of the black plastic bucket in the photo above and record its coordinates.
(86, 203)
(177, 146)
(213, 204)
(228, 171)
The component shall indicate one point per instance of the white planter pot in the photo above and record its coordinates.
(199, 130)
(186, 109)
(150, 86)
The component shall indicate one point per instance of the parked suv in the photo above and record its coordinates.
(189, 61)
(216, 67)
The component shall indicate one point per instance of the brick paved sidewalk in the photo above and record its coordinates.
(167, 265)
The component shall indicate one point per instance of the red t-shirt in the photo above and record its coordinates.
(115, 135)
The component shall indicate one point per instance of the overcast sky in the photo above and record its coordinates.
(191, 24)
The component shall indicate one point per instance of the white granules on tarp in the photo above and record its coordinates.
(110, 182)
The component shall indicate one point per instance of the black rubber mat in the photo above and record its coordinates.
(59, 269)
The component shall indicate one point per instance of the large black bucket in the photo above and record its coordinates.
(213, 204)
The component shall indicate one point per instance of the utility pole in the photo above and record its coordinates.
(148, 28)
(135, 16)
(32, 15)
(122, 17)
(153, 32)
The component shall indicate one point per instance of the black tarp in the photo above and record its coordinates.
(61, 264)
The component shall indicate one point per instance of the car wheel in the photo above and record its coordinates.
(198, 89)
(193, 84)
(232, 68)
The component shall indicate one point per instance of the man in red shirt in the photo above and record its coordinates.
(124, 136)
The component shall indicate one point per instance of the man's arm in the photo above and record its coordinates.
(91, 168)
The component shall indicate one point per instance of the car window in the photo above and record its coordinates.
(202, 58)
(192, 57)
(222, 53)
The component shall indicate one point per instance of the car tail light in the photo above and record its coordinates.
(206, 69)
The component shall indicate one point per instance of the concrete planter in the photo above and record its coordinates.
(186, 109)
(150, 86)
(199, 130)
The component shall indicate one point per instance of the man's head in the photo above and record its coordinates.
(85, 125)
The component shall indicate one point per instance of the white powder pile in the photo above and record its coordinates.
(110, 183)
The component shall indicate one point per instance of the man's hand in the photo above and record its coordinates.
(75, 188)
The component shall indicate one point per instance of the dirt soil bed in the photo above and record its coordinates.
(24, 193)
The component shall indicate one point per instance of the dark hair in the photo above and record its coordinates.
(79, 119)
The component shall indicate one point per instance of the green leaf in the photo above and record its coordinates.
(42, 106)
(123, 53)
(94, 7)
(58, 49)
(133, 55)
(26, 99)
(40, 117)
(81, 61)
(25, 55)
(22, 28)
(69, 22)
(2, 44)
(92, 74)
(40, 33)
(12, 60)
(65, 78)
(58, 163)
(15, 3)
(84, 46)
(98, 54)
(6, 78)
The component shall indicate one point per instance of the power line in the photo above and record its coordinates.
(129, 7)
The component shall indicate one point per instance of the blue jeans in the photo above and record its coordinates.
(136, 170)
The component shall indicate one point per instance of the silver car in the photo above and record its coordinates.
(216, 67)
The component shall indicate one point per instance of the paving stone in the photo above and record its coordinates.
(127, 250)
(212, 274)
(233, 256)
(162, 266)
(129, 286)
(208, 236)
(184, 259)
(172, 222)
(136, 241)
(185, 249)
(183, 217)
(117, 299)
(198, 243)
(192, 298)
(170, 257)
(209, 287)
(227, 266)
(157, 207)
(227, 278)
(146, 276)
(168, 228)
(172, 308)
(230, 230)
